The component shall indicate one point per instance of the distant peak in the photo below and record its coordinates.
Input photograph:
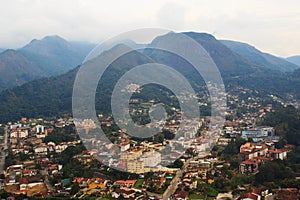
(205, 36)
(9, 51)
(50, 38)
(53, 38)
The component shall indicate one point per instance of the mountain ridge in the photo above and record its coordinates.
(260, 58)
(50, 56)
(52, 96)
(55, 55)
(16, 69)
(294, 59)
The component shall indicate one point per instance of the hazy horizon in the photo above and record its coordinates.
(273, 27)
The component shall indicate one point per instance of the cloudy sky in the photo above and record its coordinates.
(270, 25)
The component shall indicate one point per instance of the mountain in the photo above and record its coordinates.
(53, 96)
(16, 69)
(294, 59)
(229, 63)
(54, 55)
(49, 56)
(260, 58)
(234, 68)
(1, 50)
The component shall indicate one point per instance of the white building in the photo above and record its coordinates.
(19, 133)
(60, 148)
(151, 159)
(41, 150)
(40, 129)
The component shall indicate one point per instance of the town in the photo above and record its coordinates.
(46, 157)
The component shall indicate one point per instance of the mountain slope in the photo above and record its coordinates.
(227, 60)
(15, 69)
(229, 63)
(54, 55)
(294, 59)
(1, 50)
(52, 96)
(47, 57)
(259, 58)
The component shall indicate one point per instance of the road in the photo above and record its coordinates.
(178, 177)
(46, 181)
(174, 183)
(5, 147)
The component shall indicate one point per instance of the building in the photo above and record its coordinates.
(250, 151)
(42, 149)
(135, 167)
(40, 129)
(125, 183)
(151, 159)
(256, 135)
(125, 146)
(60, 148)
(277, 154)
(19, 133)
(130, 155)
(249, 166)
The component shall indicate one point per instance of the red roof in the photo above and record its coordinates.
(250, 195)
(276, 151)
(250, 162)
(126, 182)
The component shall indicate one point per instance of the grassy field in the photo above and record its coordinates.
(139, 183)
(196, 196)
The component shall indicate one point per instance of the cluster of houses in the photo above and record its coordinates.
(31, 156)
(263, 193)
(30, 177)
(253, 155)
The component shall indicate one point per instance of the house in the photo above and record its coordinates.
(15, 168)
(125, 146)
(96, 183)
(126, 183)
(23, 183)
(249, 166)
(41, 149)
(125, 193)
(250, 151)
(287, 194)
(81, 181)
(60, 148)
(181, 195)
(263, 192)
(192, 184)
(19, 133)
(249, 196)
(39, 129)
(277, 154)
(28, 172)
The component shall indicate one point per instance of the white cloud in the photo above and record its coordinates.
(271, 25)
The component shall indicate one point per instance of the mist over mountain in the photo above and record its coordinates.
(53, 96)
(49, 56)
(294, 59)
(1, 50)
(16, 69)
(54, 55)
(260, 58)
(229, 63)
